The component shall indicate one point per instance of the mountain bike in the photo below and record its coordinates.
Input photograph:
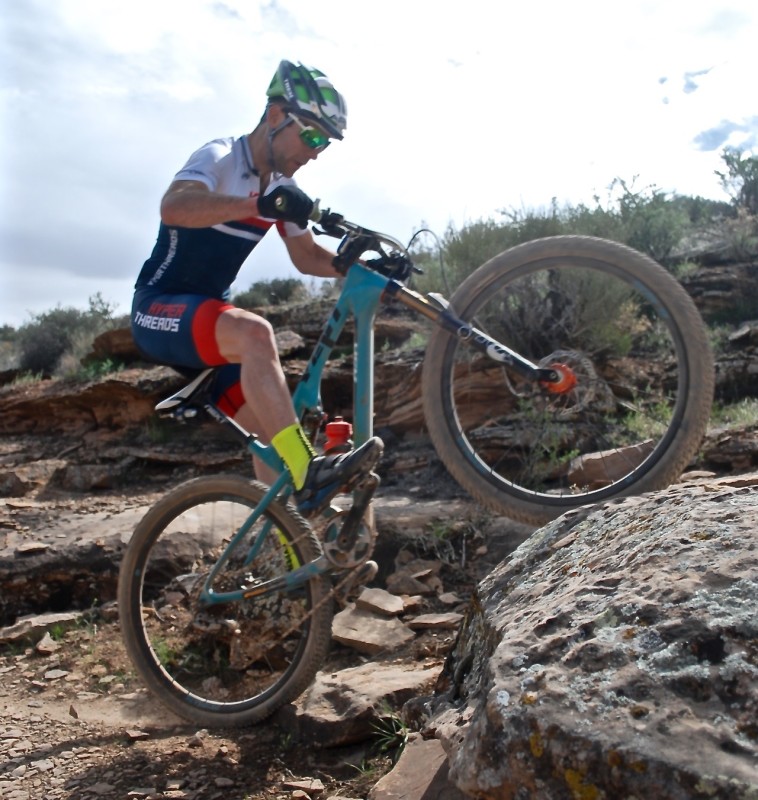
(563, 372)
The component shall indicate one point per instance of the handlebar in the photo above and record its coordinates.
(357, 240)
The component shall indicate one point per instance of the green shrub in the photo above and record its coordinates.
(8, 334)
(651, 222)
(742, 235)
(271, 293)
(43, 342)
(8, 358)
(740, 181)
(648, 220)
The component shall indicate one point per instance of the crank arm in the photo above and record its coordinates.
(347, 537)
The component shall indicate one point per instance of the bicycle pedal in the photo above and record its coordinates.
(366, 572)
(361, 575)
(361, 481)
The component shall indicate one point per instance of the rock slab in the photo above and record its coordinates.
(615, 654)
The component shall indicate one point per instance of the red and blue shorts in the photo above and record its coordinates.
(179, 330)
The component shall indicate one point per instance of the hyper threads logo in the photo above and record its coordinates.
(161, 317)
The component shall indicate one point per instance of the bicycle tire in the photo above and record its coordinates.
(639, 350)
(233, 664)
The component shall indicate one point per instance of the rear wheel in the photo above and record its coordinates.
(232, 663)
(609, 317)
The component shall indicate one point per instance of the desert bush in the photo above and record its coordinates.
(8, 333)
(651, 221)
(8, 353)
(45, 340)
(742, 234)
(271, 293)
(740, 180)
(648, 220)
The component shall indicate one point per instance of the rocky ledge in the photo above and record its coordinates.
(614, 654)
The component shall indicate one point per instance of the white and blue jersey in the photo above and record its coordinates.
(206, 260)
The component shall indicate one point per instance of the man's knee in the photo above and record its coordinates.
(246, 330)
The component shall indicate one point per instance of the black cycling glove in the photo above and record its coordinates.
(287, 203)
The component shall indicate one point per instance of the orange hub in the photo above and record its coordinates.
(566, 380)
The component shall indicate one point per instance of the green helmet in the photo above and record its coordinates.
(309, 93)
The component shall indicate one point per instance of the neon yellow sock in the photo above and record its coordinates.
(295, 450)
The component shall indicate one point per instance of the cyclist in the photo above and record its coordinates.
(218, 207)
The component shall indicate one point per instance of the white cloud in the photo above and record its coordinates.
(454, 113)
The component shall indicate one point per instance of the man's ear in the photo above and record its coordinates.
(275, 115)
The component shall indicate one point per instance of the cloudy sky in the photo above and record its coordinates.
(456, 110)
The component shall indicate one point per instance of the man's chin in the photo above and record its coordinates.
(286, 170)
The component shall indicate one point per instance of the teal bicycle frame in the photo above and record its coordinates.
(361, 295)
(360, 298)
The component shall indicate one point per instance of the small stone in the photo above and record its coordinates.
(55, 674)
(136, 735)
(47, 645)
(309, 785)
(424, 621)
(380, 601)
(30, 548)
(101, 788)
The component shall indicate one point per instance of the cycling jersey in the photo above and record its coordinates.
(206, 260)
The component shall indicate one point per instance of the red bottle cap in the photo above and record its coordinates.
(338, 433)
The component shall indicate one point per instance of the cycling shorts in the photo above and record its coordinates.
(179, 330)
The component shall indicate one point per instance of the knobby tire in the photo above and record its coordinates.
(235, 663)
(640, 352)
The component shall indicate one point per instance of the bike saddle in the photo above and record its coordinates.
(183, 398)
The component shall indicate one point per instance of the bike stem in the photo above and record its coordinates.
(441, 314)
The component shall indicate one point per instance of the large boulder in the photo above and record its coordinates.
(615, 654)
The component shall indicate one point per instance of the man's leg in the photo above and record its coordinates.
(245, 338)
(248, 419)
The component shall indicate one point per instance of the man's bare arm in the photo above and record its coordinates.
(190, 204)
(309, 257)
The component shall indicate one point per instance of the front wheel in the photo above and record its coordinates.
(613, 319)
(232, 663)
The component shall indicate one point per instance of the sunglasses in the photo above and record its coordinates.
(311, 137)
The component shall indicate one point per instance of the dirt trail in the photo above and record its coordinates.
(76, 722)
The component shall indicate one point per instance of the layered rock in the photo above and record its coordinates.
(615, 654)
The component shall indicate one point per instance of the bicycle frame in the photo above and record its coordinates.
(360, 298)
